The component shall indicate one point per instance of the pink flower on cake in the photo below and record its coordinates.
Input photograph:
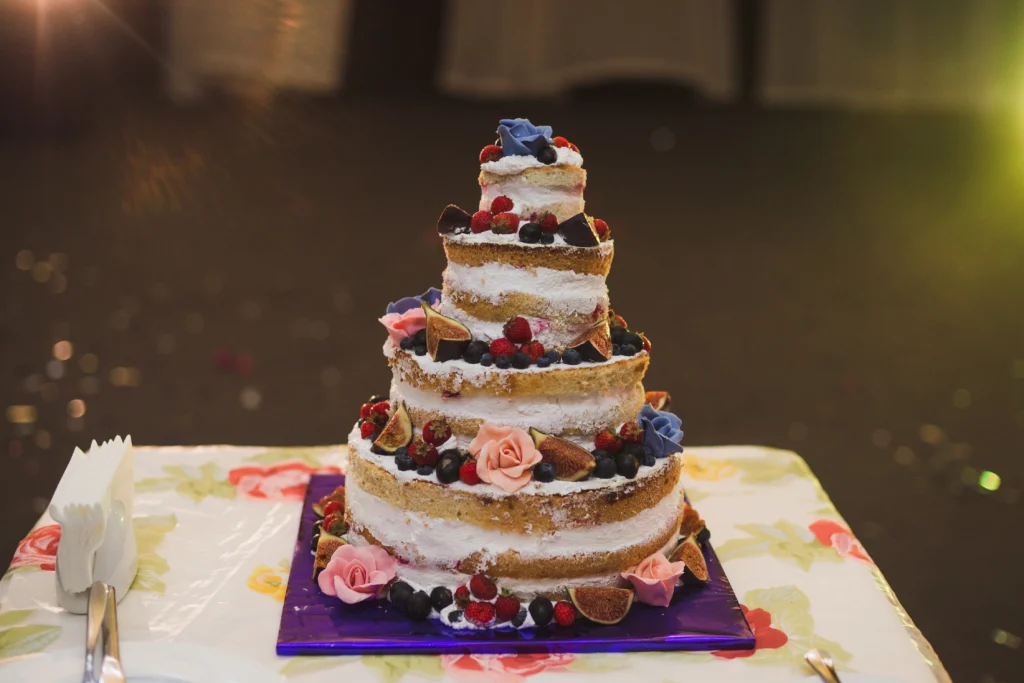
(655, 579)
(38, 548)
(286, 481)
(502, 668)
(402, 325)
(504, 456)
(355, 574)
(833, 534)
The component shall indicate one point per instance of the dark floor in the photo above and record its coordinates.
(847, 286)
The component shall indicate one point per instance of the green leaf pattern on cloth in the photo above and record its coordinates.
(783, 540)
(14, 616)
(791, 613)
(149, 533)
(773, 468)
(392, 669)
(26, 639)
(296, 666)
(196, 483)
(310, 456)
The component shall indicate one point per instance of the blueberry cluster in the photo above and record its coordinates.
(626, 462)
(416, 343)
(446, 469)
(520, 360)
(533, 233)
(625, 343)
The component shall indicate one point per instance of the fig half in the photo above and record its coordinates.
(571, 462)
(447, 339)
(602, 605)
(594, 345)
(396, 433)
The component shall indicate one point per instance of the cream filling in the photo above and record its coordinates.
(544, 330)
(492, 281)
(514, 164)
(529, 199)
(513, 238)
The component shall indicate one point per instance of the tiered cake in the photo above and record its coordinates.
(518, 444)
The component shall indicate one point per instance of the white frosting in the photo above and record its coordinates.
(529, 199)
(513, 238)
(543, 330)
(513, 164)
(492, 281)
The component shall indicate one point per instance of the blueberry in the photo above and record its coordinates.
(627, 464)
(703, 536)
(616, 350)
(315, 540)
(605, 468)
(440, 598)
(554, 355)
(418, 606)
(478, 346)
(636, 449)
(530, 233)
(547, 238)
(520, 360)
(455, 616)
(487, 360)
(541, 610)
(547, 155)
(400, 594)
(599, 453)
(571, 357)
(618, 333)
(404, 450)
(426, 470)
(404, 462)
(648, 460)
(377, 398)
(471, 356)
(503, 362)
(520, 618)
(634, 339)
(420, 338)
(544, 472)
(627, 350)
(448, 467)
(406, 344)
(543, 362)
(419, 350)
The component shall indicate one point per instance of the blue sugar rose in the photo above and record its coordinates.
(519, 137)
(431, 296)
(662, 432)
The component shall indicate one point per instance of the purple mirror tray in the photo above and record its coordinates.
(706, 618)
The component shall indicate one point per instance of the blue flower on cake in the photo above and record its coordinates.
(522, 138)
(432, 296)
(662, 432)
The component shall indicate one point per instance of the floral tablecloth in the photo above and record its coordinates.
(216, 527)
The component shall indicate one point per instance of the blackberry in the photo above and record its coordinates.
(479, 346)
(554, 355)
(703, 536)
(547, 155)
(636, 449)
(617, 335)
(616, 350)
(455, 616)
(599, 453)
(420, 338)
(541, 610)
(571, 357)
(406, 344)
(426, 470)
(520, 360)
(547, 238)
(420, 350)
(503, 362)
(418, 607)
(605, 468)
(404, 462)
(448, 467)
(544, 472)
(400, 593)
(543, 362)
(487, 360)
(440, 598)
(633, 339)
(404, 450)
(530, 233)
(627, 350)
(627, 464)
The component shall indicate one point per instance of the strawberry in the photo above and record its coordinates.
(333, 507)
(436, 432)
(517, 330)
(481, 222)
(616, 320)
(565, 613)
(368, 429)
(506, 607)
(533, 349)
(574, 148)
(548, 223)
(462, 597)
(608, 441)
(480, 613)
(501, 204)
(379, 413)
(560, 141)
(336, 525)
(645, 340)
(482, 587)
(505, 224)
(467, 473)
(491, 153)
(422, 452)
(364, 410)
(631, 432)
(602, 229)
(502, 347)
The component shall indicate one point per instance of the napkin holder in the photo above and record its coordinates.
(93, 505)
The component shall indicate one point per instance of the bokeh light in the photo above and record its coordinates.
(63, 350)
(989, 481)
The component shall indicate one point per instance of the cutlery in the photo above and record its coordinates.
(101, 637)
(821, 662)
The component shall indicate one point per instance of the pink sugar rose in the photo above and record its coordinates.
(504, 456)
(655, 579)
(355, 574)
(402, 325)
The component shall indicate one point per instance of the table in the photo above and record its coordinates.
(216, 527)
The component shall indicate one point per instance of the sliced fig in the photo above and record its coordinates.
(571, 462)
(396, 433)
(659, 400)
(692, 524)
(602, 605)
(594, 345)
(447, 339)
(325, 547)
(689, 553)
(578, 231)
(453, 220)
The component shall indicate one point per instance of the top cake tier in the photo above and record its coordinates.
(535, 188)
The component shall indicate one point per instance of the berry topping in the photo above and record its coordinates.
(574, 148)
(368, 430)
(333, 507)
(487, 360)
(418, 606)
(467, 473)
(436, 432)
(462, 597)
(565, 613)
(491, 153)
(533, 349)
(648, 458)
(627, 350)
(502, 347)
(480, 613)
(544, 472)
(403, 462)
(547, 238)
(631, 432)
(422, 452)
(553, 355)
(406, 344)
(481, 222)
(541, 610)
(448, 465)
(548, 223)
(520, 618)
(560, 141)
(475, 352)
(501, 204)
(503, 362)
(547, 155)
(616, 320)
(608, 441)
(605, 468)
(602, 229)
(399, 594)
(530, 233)
(506, 608)
(420, 349)
(335, 524)
(420, 338)
(516, 330)
(366, 408)
(703, 536)
(627, 464)
(645, 342)
(440, 598)
(505, 223)
(482, 587)
(520, 360)
(455, 616)
(425, 470)
(543, 362)
(571, 357)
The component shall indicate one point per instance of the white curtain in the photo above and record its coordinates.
(517, 48)
(893, 53)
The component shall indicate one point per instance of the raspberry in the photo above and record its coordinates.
(574, 148)
(533, 349)
(436, 432)
(367, 429)
(467, 473)
(505, 224)
(565, 613)
(608, 441)
(381, 408)
(334, 507)
(491, 153)
(462, 597)
(481, 222)
(506, 608)
(422, 452)
(631, 432)
(364, 410)
(560, 141)
(501, 204)
(480, 613)
(548, 223)
(502, 347)
(482, 587)
(602, 229)
(517, 330)
(645, 340)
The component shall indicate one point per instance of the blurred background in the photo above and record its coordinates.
(818, 207)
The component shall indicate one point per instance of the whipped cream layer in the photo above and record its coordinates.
(513, 238)
(546, 331)
(533, 199)
(514, 164)
(563, 288)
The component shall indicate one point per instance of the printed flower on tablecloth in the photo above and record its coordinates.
(279, 482)
(704, 469)
(765, 637)
(835, 535)
(502, 668)
(38, 548)
(272, 581)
